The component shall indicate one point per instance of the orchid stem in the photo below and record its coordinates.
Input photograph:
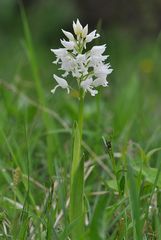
(77, 179)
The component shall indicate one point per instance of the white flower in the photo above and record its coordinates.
(102, 71)
(77, 27)
(61, 83)
(88, 68)
(100, 82)
(87, 86)
(98, 50)
(97, 60)
(68, 35)
(68, 63)
(68, 45)
(79, 30)
(92, 36)
(60, 54)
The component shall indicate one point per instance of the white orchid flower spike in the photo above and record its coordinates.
(87, 68)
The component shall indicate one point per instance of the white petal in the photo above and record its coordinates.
(97, 59)
(68, 90)
(79, 26)
(100, 82)
(92, 36)
(68, 35)
(92, 92)
(68, 45)
(54, 89)
(58, 51)
(81, 59)
(65, 74)
(110, 70)
(101, 71)
(98, 49)
(86, 83)
(74, 26)
(87, 86)
(85, 31)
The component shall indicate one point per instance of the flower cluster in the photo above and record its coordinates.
(88, 67)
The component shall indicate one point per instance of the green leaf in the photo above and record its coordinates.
(150, 153)
(113, 184)
(77, 188)
(149, 174)
(96, 226)
(134, 202)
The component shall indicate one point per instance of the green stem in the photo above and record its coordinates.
(77, 179)
(80, 115)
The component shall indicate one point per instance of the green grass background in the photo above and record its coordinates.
(36, 137)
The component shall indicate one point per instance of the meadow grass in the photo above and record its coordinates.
(122, 172)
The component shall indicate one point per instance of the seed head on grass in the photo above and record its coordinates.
(87, 67)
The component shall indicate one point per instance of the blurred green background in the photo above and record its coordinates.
(36, 126)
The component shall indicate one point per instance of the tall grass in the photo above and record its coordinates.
(47, 120)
